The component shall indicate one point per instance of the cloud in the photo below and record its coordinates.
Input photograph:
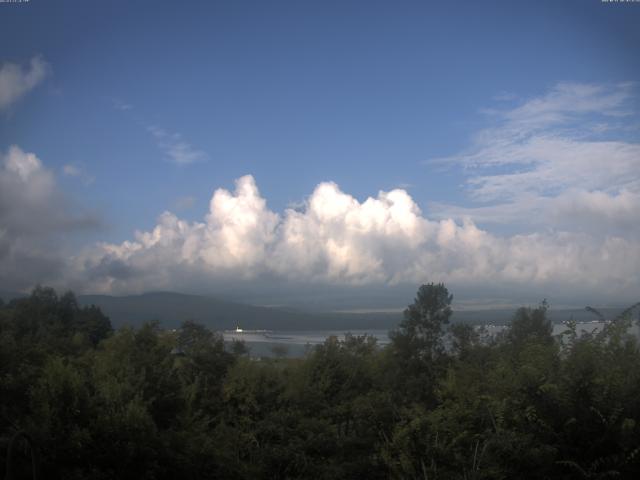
(560, 172)
(71, 170)
(34, 214)
(120, 105)
(337, 240)
(175, 148)
(75, 171)
(16, 80)
(618, 211)
(172, 144)
(569, 159)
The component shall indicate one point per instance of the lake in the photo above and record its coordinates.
(295, 343)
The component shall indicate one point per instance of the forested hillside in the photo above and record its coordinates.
(97, 403)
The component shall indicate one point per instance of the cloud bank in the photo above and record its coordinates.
(336, 239)
(562, 171)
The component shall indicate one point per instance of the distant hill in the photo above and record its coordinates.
(7, 295)
(171, 309)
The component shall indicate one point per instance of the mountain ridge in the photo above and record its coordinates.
(171, 309)
(218, 313)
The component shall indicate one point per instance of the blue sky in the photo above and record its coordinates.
(145, 107)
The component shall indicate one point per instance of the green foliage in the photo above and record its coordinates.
(435, 403)
(530, 325)
(420, 333)
(417, 345)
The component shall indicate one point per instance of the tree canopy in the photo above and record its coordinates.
(440, 401)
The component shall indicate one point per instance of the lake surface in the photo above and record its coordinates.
(295, 343)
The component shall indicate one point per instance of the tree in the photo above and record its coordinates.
(531, 324)
(420, 333)
(93, 323)
(417, 346)
(463, 339)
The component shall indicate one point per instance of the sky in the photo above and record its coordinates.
(280, 150)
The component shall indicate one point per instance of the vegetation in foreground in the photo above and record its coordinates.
(150, 403)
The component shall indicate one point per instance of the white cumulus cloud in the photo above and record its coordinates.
(335, 239)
